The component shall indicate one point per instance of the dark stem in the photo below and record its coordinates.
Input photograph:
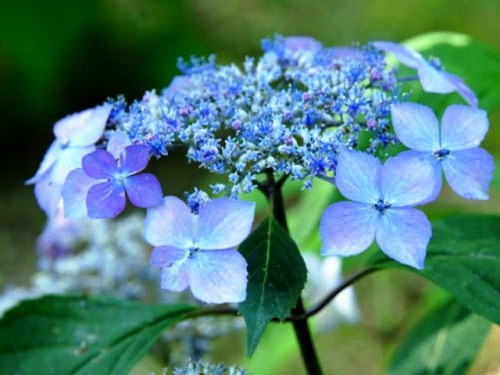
(301, 327)
(334, 293)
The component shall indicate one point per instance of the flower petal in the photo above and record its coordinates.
(403, 234)
(69, 159)
(224, 223)
(434, 80)
(66, 128)
(134, 159)
(48, 194)
(464, 90)
(404, 55)
(409, 179)
(117, 143)
(347, 228)
(166, 256)
(74, 193)
(48, 161)
(144, 190)
(99, 164)
(358, 176)
(218, 276)
(469, 172)
(105, 200)
(83, 128)
(175, 277)
(416, 126)
(169, 224)
(463, 127)
(295, 43)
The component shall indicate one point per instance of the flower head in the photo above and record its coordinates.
(382, 208)
(453, 148)
(98, 189)
(432, 78)
(199, 250)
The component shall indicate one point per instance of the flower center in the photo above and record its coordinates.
(120, 177)
(193, 251)
(381, 206)
(441, 154)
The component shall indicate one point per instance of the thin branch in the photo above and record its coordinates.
(330, 296)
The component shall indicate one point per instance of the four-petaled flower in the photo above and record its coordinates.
(199, 250)
(76, 136)
(452, 149)
(106, 197)
(382, 208)
(431, 78)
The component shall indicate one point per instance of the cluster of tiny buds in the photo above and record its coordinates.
(289, 112)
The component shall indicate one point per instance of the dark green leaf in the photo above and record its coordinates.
(476, 64)
(445, 342)
(81, 335)
(277, 274)
(463, 258)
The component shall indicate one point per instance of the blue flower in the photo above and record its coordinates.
(431, 78)
(382, 208)
(198, 251)
(76, 136)
(453, 149)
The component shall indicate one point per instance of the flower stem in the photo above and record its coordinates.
(301, 327)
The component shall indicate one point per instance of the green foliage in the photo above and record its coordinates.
(444, 342)
(277, 274)
(463, 258)
(81, 335)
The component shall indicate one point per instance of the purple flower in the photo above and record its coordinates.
(105, 198)
(199, 250)
(432, 79)
(452, 149)
(75, 137)
(382, 208)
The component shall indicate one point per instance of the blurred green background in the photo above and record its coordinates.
(59, 57)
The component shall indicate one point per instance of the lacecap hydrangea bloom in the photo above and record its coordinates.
(199, 250)
(299, 111)
(451, 148)
(383, 197)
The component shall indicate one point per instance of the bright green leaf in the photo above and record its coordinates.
(81, 335)
(444, 342)
(463, 258)
(277, 274)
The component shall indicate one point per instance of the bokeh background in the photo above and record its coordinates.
(59, 57)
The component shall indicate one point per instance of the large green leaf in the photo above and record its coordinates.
(444, 342)
(277, 274)
(478, 65)
(81, 335)
(463, 258)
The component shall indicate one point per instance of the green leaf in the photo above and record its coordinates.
(478, 65)
(277, 274)
(81, 335)
(463, 258)
(444, 342)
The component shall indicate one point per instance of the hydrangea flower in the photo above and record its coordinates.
(198, 251)
(107, 199)
(76, 136)
(431, 77)
(452, 149)
(382, 208)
